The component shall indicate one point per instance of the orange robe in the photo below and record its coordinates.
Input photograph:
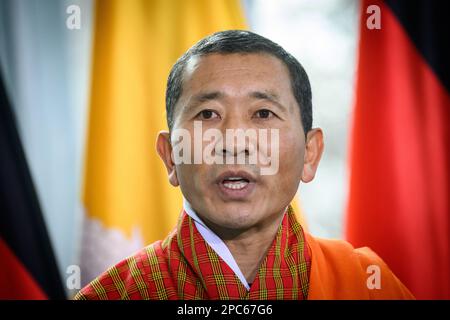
(297, 266)
(338, 271)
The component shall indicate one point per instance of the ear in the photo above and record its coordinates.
(313, 153)
(164, 149)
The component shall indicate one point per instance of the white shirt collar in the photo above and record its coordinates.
(215, 242)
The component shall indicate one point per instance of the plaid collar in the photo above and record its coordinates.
(283, 274)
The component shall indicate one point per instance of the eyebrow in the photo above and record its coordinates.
(269, 96)
(217, 95)
(207, 96)
(202, 97)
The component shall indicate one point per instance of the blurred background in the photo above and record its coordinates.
(83, 99)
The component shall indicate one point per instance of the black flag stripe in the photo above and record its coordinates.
(22, 225)
(428, 26)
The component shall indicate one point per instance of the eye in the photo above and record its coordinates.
(207, 114)
(264, 114)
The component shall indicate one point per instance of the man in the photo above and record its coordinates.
(237, 237)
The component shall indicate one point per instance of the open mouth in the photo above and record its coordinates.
(235, 183)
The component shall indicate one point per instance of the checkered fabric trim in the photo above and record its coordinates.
(184, 266)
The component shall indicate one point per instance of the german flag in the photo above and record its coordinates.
(27, 265)
(400, 143)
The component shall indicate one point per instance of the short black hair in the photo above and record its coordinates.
(240, 41)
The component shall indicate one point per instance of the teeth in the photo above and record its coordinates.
(234, 178)
(235, 185)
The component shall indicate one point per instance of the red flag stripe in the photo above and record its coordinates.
(15, 280)
(399, 183)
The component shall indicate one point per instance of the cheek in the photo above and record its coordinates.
(291, 154)
(186, 174)
(286, 182)
(192, 178)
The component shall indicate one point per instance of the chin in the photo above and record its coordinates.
(235, 224)
(239, 219)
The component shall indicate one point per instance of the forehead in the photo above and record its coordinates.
(236, 73)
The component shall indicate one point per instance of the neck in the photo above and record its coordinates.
(249, 247)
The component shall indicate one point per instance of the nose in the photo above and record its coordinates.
(239, 138)
(233, 147)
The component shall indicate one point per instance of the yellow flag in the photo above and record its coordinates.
(127, 198)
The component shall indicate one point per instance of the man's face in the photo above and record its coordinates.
(240, 91)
